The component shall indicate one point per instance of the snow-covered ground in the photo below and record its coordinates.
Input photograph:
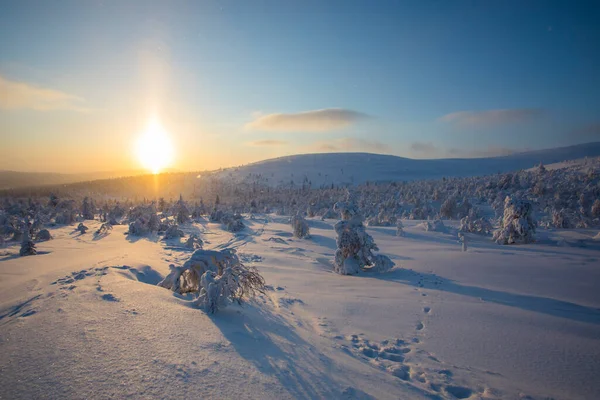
(84, 319)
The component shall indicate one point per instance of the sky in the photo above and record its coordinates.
(232, 82)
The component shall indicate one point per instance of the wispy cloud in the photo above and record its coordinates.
(350, 144)
(491, 117)
(429, 150)
(264, 143)
(488, 152)
(327, 119)
(591, 130)
(423, 148)
(20, 95)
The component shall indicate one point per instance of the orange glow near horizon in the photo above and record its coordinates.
(154, 148)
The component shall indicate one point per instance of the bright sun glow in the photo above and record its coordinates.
(154, 148)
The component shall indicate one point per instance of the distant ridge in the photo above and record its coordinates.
(355, 168)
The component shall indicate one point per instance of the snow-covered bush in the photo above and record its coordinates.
(561, 219)
(517, 225)
(233, 222)
(173, 232)
(43, 235)
(300, 227)
(218, 277)
(434, 226)
(194, 242)
(473, 224)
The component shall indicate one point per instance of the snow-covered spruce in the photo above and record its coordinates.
(300, 226)
(218, 277)
(517, 225)
(355, 245)
(27, 245)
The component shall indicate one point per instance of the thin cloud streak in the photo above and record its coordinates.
(350, 144)
(491, 117)
(266, 143)
(327, 119)
(23, 96)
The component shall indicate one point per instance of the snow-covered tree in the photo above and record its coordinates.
(182, 212)
(87, 209)
(596, 209)
(517, 225)
(300, 226)
(448, 208)
(354, 245)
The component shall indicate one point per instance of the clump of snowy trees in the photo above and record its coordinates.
(217, 277)
(354, 245)
(517, 225)
(474, 223)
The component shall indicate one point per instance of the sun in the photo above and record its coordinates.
(154, 148)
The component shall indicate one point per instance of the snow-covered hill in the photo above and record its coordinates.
(356, 168)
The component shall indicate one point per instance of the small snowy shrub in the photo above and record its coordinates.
(400, 228)
(82, 228)
(300, 227)
(218, 277)
(517, 225)
(104, 229)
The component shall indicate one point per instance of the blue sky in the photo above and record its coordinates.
(239, 81)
